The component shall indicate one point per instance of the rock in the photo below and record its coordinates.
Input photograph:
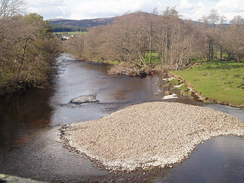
(173, 96)
(167, 93)
(179, 86)
(84, 99)
(168, 79)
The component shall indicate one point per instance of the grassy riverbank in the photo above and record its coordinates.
(222, 82)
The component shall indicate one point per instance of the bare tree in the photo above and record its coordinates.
(233, 41)
(136, 38)
(213, 17)
(171, 11)
(11, 7)
(238, 20)
(26, 52)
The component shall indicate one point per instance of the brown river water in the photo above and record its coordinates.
(29, 141)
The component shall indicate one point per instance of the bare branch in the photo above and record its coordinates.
(11, 7)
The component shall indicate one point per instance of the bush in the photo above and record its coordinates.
(27, 51)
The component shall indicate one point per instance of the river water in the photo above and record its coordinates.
(29, 139)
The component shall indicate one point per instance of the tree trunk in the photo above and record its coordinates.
(221, 53)
(211, 51)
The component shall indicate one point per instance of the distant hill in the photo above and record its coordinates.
(66, 25)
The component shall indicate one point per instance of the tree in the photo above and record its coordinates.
(213, 18)
(134, 38)
(233, 41)
(171, 11)
(11, 7)
(211, 22)
(175, 40)
(27, 50)
(238, 20)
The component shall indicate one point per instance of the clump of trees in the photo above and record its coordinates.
(225, 41)
(27, 48)
(143, 39)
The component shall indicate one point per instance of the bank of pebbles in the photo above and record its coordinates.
(149, 135)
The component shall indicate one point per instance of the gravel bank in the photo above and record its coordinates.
(149, 134)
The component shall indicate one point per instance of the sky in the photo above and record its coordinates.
(87, 9)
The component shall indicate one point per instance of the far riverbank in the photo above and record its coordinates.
(213, 82)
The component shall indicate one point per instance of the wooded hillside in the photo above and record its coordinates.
(143, 39)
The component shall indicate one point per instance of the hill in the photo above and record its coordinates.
(67, 25)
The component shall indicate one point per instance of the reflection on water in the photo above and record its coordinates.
(21, 115)
(113, 92)
(29, 143)
(220, 160)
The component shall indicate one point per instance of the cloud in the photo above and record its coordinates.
(230, 9)
(81, 9)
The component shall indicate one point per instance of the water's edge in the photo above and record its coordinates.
(30, 137)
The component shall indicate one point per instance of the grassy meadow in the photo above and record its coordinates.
(220, 81)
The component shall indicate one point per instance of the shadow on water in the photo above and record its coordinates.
(29, 141)
(20, 115)
(30, 145)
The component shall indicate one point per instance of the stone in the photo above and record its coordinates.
(84, 99)
(179, 86)
(168, 79)
(168, 97)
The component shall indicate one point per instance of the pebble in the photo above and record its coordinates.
(156, 134)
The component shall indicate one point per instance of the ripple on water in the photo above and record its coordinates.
(220, 160)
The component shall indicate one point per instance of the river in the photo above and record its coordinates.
(29, 141)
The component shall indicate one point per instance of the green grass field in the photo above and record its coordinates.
(221, 81)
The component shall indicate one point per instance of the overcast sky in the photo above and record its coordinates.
(83, 9)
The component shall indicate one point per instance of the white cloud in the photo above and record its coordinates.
(81, 9)
(230, 9)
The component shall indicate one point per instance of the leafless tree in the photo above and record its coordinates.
(26, 52)
(134, 38)
(11, 7)
(238, 20)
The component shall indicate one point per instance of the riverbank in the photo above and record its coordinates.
(27, 53)
(214, 82)
(125, 68)
(132, 70)
(18, 88)
(14, 179)
(148, 135)
(128, 69)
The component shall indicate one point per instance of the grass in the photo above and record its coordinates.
(220, 81)
(175, 82)
(152, 58)
(70, 33)
(111, 62)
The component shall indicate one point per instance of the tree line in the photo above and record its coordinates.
(149, 39)
(27, 48)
